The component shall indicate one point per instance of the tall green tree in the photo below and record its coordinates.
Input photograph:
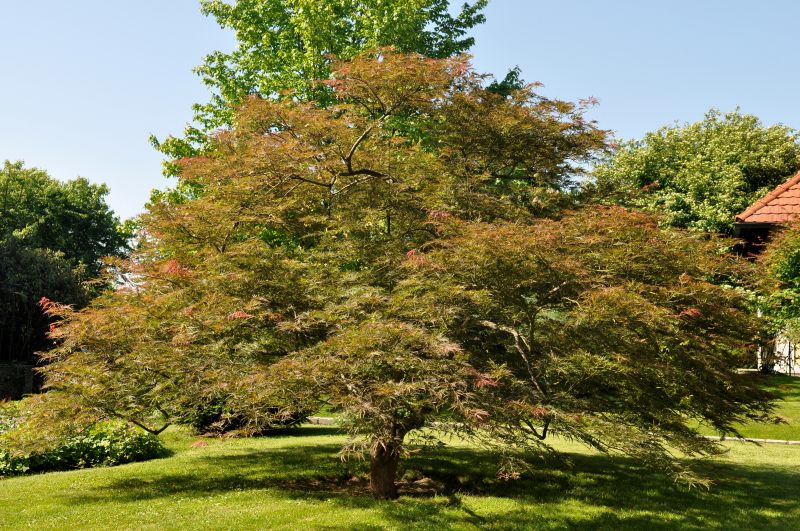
(285, 46)
(701, 175)
(53, 235)
(406, 276)
(69, 217)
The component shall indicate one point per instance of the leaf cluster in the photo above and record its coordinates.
(69, 217)
(700, 175)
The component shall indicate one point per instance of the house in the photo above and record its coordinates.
(754, 225)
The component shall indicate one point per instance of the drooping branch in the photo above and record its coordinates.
(541, 436)
(152, 431)
(311, 181)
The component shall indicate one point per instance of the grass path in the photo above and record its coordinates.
(295, 482)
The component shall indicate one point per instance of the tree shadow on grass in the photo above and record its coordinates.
(595, 492)
(306, 431)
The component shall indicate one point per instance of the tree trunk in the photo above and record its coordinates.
(383, 470)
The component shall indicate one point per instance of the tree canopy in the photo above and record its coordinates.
(403, 256)
(53, 235)
(69, 217)
(27, 275)
(701, 175)
(285, 46)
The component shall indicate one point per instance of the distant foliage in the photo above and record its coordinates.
(783, 258)
(700, 176)
(780, 300)
(27, 275)
(509, 84)
(104, 444)
(53, 235)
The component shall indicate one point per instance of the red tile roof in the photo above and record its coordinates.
(781, 204)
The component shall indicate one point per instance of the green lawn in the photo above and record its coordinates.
(788, 408)
(294, 481)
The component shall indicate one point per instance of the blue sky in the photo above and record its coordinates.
(83, 83)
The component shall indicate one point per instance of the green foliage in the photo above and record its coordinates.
(506, 87)
(286, 46)
(52, 237)
(779, 296)
(26, 276)
(102, 444)
(701, 175)
(783, 258)
(69, 217)
(9, 416)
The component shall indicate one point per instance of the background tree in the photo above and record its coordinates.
(387, 254)
(779, 296)
(69, 217)
(27, 275)
(284, 46)
(53, 235)
(701, 175)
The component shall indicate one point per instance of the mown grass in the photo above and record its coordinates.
(787, 409)
(295, 481)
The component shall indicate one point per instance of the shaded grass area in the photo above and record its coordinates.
(787, 408)
(295, 481)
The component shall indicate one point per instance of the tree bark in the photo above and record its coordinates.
(383, 470)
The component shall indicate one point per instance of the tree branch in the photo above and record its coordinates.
(140, 424)
(311, 181)
(519, 343)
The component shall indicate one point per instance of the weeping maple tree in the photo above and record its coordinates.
(405, 255)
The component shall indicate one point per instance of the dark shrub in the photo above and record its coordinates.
(216, 418)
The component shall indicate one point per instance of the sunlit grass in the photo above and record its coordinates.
(295, 481)
(788, 409)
